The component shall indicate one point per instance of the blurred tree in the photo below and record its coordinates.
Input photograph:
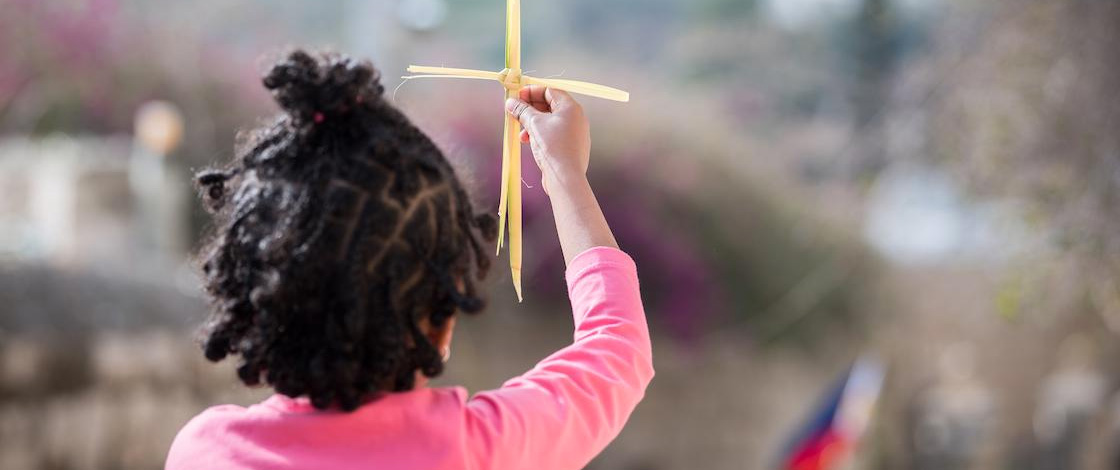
(1031, 114)
(733, 11)
(640, 29)
(874, 52)
(82, 67)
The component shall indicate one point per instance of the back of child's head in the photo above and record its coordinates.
(339, 228)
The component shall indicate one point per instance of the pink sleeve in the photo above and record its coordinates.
(565, 410)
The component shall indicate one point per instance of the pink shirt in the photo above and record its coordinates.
(558, 415)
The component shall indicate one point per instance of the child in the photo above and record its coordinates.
(344, 249)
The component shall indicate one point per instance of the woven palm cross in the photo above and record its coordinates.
(509, 204)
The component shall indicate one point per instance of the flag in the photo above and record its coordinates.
(835, 427)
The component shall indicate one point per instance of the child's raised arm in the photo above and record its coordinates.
(568, 407)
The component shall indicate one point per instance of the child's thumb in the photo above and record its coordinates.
(558, 100)
(521, 110)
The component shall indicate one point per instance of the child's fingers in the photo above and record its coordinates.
(524, 136)
(524, 112)
(558, 100)
(535, 95)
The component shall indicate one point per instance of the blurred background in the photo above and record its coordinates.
(872, 234)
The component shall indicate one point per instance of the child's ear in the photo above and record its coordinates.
(441, 336)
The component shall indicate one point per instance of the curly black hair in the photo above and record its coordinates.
(338, 229)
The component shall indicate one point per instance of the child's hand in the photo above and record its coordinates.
(561, 139)
(558, 133)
